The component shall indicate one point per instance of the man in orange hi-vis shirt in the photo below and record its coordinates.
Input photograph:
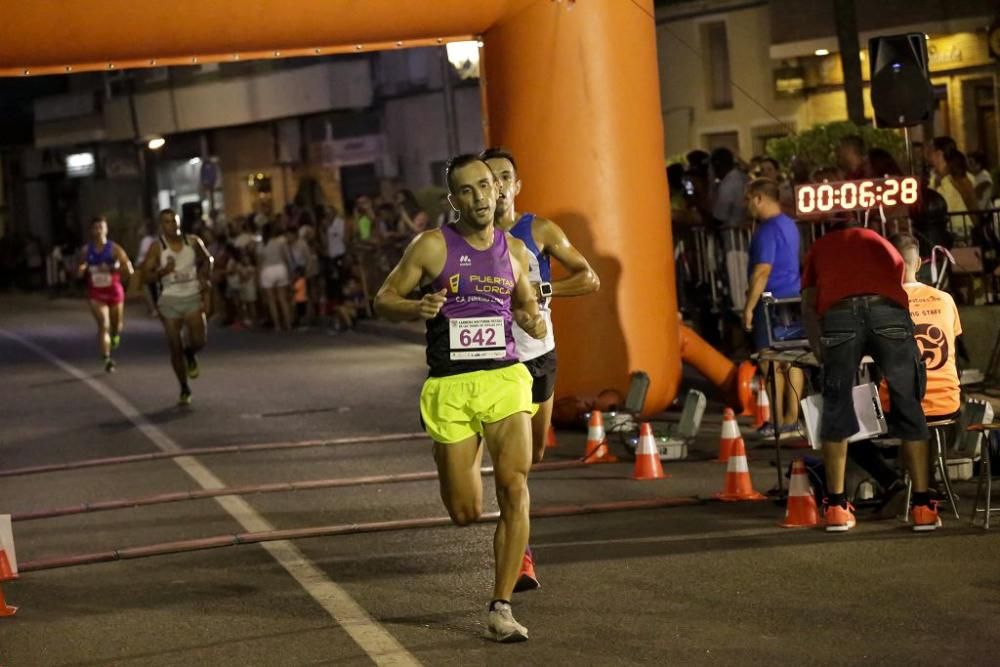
(935, 326)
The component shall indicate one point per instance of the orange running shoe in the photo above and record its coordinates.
(925, 517)
(838, 519)
(526, 579)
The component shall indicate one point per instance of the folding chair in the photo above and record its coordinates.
(985, 474)
(939, 458)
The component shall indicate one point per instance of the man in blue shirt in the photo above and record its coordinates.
(774, 268)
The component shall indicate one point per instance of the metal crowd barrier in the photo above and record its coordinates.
(718, 258)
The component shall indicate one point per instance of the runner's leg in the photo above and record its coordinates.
(173, 328)
(194, 341)
(460, 479)
(197, 331)
(509, 442)
(540, 425)
(117, 318)
(100, 313)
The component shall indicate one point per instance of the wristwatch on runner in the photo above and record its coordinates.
(545, 289)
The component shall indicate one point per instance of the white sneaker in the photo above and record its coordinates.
(501, 626)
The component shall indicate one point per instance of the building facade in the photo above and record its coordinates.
(243, 137)
(237, 138)
(737, 72)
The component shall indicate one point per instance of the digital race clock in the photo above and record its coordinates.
(814, 199)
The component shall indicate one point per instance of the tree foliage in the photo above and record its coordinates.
(818, 145)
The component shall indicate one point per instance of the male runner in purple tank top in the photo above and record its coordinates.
(475, 283)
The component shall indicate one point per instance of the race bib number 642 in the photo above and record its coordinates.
(477, 338)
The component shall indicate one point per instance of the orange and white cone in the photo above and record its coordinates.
(763, 414)
(6, 574)
(647, 456)
(597, 443)
(730, 434)
(550, 438)
(801, 511)
(738, 484)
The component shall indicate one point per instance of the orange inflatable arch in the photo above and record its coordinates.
(571, 87)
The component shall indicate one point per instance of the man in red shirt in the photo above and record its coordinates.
(854, 304)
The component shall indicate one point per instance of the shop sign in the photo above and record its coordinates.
(337, 153)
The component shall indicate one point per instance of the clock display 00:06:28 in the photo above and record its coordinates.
(814, 198)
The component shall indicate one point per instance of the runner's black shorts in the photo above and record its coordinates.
(543, 374)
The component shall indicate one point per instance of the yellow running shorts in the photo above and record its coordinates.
(455, 407)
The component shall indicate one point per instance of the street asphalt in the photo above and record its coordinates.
(706, 583)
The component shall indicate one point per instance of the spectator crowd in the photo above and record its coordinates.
(310, 266)
(299, 268)
(306, 267)
(712, 224)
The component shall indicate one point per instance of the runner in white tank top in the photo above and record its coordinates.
(181, 265)
(543, 239)
(182, 282)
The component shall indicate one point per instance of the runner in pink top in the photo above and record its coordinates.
(104, 262)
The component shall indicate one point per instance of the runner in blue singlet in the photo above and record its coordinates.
(543, 239)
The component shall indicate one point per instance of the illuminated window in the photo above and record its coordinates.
(80, 164)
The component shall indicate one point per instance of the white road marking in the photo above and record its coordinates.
(368, 633)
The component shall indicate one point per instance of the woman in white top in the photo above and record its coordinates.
(273, 258)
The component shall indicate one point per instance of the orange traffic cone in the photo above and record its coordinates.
(647, 456)
(738, 483)
(730, 434)
(801, 510)
(597, 442)
(550, 438)
(763, 414)
(6, 574)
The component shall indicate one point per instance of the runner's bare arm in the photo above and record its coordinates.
(81, 262)
(150, 271)
(524, 300)
(392, 302)
(125, 268)
(204, 260)
(582, 278)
